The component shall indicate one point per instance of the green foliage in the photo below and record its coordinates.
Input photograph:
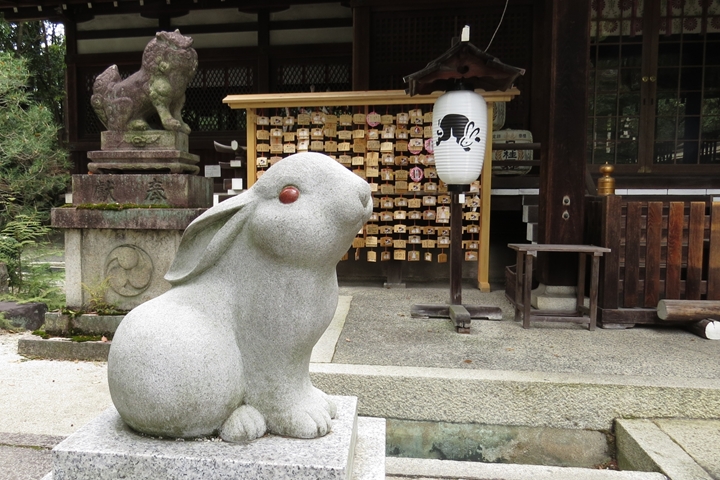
(33, 166)
(41, 333)
(42, 45)
(98, 303)
(21, 244)
(6, 325)
(33, 169)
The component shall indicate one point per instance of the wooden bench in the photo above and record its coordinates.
(523, 284)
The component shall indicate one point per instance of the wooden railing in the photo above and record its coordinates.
(660, 249)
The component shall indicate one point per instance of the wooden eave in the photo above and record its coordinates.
(466, 63)
(81, 10)
(355, 98)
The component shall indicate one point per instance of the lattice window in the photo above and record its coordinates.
(90, 124)
(203, 111)
(403, 44)
(332, 76)
(654, 99)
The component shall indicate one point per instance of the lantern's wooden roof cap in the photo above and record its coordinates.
(467, 65)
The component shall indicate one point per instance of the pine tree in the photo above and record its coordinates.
(33, 167)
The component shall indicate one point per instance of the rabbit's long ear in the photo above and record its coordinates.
(208, 237)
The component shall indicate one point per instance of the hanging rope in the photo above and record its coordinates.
(498, 26)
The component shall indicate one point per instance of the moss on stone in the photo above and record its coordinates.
(116, 206)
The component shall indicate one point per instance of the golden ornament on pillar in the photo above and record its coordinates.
(606, 184)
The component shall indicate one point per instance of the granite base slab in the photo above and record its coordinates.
(107, 449)
(119, 161)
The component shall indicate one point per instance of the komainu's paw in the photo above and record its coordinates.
(172, 124)
(243, 425)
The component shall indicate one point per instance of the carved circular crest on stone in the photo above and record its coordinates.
(129, 270)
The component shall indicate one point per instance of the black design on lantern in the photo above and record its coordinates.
(461, 128)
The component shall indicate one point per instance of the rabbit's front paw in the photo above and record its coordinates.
(243, 425)
(329, 404)
(309, 419)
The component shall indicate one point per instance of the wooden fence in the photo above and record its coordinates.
(660, 249)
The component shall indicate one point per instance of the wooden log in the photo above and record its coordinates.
(688, 310)
(706, 328)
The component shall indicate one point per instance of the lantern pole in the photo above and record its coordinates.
(456, 252)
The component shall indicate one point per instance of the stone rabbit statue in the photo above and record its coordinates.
(227, 349)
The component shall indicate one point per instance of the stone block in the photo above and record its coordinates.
(29, 316)
(561, 299)
(144, 140)
(128, 264)
(126, 218)
(369, 460)
(63, 349)
(642, 445)
(60, 324)
(107, 449)
(699, 438)
(178, 191)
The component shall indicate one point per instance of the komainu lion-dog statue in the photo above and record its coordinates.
(168, 66)
(227, 349)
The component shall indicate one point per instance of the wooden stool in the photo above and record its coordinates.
(523, 284)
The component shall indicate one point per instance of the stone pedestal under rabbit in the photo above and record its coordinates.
(227, 349)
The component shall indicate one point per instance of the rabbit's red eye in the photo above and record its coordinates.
(289, 194)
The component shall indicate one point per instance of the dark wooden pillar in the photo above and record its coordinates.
(562, 180)
(263, 52)
(71, 89)
(361, 49)
(164, 23)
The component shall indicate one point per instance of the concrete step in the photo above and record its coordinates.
(682, 449)
(406, 468)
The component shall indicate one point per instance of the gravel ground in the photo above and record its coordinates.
(48, 397)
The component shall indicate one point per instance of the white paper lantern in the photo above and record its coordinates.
(459, 136)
